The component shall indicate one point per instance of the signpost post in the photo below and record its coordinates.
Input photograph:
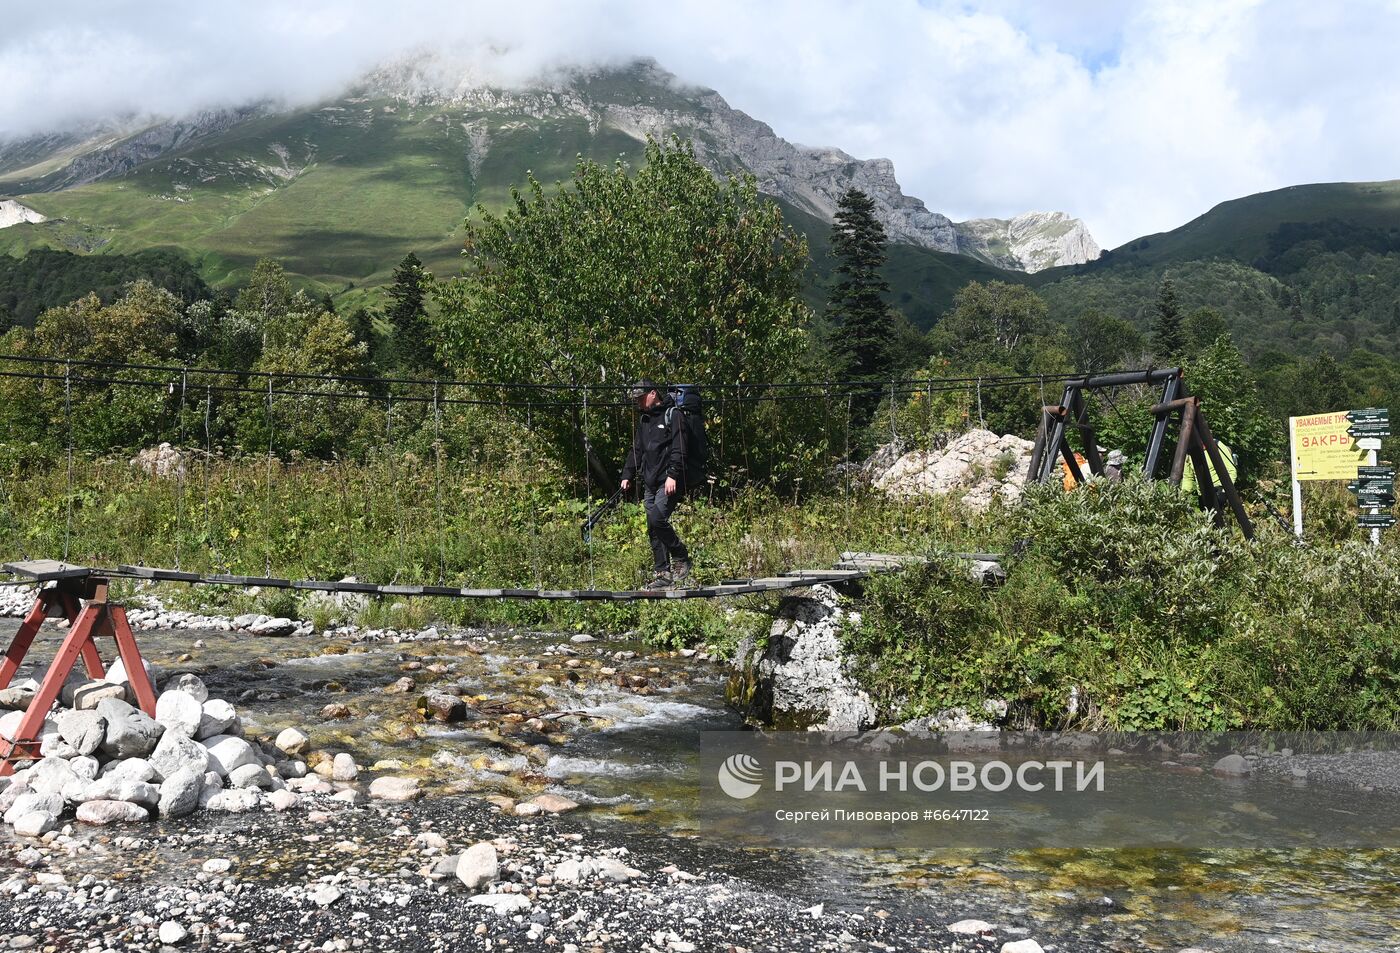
(1344, 446)
(1368, 426)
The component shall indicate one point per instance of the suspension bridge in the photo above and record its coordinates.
(80, 593)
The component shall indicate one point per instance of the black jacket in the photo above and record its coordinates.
(658, 448)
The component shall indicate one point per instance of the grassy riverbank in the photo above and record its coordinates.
(402, 520)
(1125, 608)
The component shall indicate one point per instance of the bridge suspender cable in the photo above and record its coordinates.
(68, 426)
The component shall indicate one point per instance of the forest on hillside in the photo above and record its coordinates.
(1309, 326)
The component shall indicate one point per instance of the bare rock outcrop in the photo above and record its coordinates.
(979, 465)
(800, 678)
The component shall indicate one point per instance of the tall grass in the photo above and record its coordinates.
(400, 519)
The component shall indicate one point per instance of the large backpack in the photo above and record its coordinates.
(686, 399)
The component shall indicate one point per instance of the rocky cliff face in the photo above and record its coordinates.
(651, 102)
(638, 100)
(108, 150)
(1029, 242)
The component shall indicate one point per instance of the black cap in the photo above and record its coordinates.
(642, 388)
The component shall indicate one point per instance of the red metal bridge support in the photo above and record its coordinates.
(86, 623)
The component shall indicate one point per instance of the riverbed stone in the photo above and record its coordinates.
(134, 769)
(971, 927)
(478, 866)
(191, 685)
(172, 933)
(343, 768)
(553, 803)
(443, 707)
(250, 776)
(226, 753)
(102, 813)
(236, 801)
(614, 870)
(83, 730)
(9, 724)
(283, 800)
(503, 903)
(115, 787)
(179, 792)
(35, 824)
(130, 734)
(18, 696)
(51, 776)
(89, 695)
(84, 767)
(217, 717)
(117, 674)
(274, 627)
(31, 801)
(395, 789)
(292, 741)
(1231, 766)
(180, 712)
(176, 751)
(1022, 946)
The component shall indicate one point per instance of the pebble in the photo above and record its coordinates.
(1022, 946)
(478, 866)
(172, 933)
(971, 927)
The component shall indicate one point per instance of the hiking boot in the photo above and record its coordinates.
(680, 570)
(661, 580)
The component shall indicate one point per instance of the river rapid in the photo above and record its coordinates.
(613, 724)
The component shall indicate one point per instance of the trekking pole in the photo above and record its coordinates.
(598, 515)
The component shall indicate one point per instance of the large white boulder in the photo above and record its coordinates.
(102, 813)
(83, 730)
(176, 752)
(227, 753)
(180, 712)
(180, 791)
(980, 465)
(217, 718)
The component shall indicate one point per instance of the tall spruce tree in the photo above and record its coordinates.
(864, 325)
(1168, 336)
(412, 348)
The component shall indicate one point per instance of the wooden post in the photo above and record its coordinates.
(1232, 495)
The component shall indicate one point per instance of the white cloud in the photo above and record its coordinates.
(1134, 116)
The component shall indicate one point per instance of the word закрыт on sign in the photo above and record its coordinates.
(1322, 449)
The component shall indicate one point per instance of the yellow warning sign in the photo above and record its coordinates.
(1322, 448)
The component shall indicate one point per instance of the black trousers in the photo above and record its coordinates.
(665, 544)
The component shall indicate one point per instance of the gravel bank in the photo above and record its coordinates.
(385, 878)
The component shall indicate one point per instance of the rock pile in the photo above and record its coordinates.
(162, 461)
(107, 762)
(979, 465)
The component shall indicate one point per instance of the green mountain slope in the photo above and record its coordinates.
(341, 192)
(338, 197)
(1302, 270)
(1249, 229)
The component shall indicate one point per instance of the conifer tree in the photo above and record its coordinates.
(856, 305)
(1168, 337)
(408, 316)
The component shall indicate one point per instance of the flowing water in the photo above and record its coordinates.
(614, 725)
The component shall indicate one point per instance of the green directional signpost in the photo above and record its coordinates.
(1375, 485)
